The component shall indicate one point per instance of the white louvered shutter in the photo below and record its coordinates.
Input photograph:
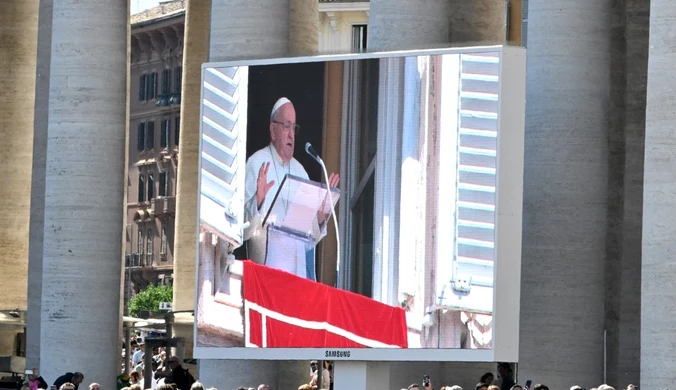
(476, 169)
(223, 151)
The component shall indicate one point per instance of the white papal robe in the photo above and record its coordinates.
(286, 254)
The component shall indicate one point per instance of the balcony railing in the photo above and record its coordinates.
(163, 206)
(163, 99)
(133, 260)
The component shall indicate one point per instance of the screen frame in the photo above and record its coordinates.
(508, 210)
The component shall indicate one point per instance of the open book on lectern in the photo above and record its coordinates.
(300, 206)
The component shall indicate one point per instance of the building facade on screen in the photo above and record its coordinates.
(155, 99)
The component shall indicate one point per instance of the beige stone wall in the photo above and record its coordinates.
(19, 28)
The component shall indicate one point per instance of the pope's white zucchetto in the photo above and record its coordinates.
(282, 101)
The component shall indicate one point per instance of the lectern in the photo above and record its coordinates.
(299, 213)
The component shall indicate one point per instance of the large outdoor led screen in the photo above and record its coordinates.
(423, 157)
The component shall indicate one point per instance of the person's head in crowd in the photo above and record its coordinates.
(503, 369)
(413, 386)
(576, 387)
(487, 378)
(517, 387)
(135, 386)
(632, 387)
(67, 386)
(606, 387)
(134, 377)
(94, 386)
(540, 386)
(493, 387)
(283, 128)
(212, 388)
(197, 386)
(174, 363)
(264, 387)
(78, 377)
(164, 386)
(481, 386)
(34, 376)
(242, 388)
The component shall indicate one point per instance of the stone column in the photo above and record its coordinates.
(402, 24)
(248, 29)
(19, 27)
(625, 184)
(77, 189)
(565, 192)
(303, 27)
(195, 52)
(659, 210)
(637, 19)
(480, 21)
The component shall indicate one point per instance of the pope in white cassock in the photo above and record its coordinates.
(265, 171)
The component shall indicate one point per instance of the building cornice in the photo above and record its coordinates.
(357, 6)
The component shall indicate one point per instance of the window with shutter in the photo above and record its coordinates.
(163, 243)
(166, 81)
(476, 168)
(151, 187)
(149, 252)
(163, 184)
(150, 135)
(141, 188)
(152, 88)
(141, 137)
(177, 129)
(142, 85)
(139, 243)
(178, 79)
(164, 136)
(223, 151)
(468, 168)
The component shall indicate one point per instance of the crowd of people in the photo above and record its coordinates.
(505, 381)
(169, 374)
(174, 377)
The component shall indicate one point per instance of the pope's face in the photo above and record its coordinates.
(282, 131)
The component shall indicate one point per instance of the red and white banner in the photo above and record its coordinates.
(283, 310)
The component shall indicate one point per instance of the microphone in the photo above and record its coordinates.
(311, 151)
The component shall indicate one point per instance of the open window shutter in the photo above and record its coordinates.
(223, 153)
(476, 169)
(142, 87)
(141, 137)
(162, 184)
(150, 135)
(164, 135)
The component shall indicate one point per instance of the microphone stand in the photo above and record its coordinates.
(333, 210)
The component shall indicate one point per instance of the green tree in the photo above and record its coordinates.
(149, 299)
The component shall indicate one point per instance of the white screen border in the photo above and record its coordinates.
(511, 118)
